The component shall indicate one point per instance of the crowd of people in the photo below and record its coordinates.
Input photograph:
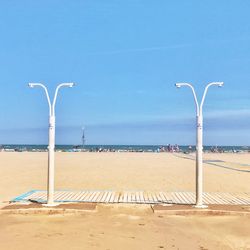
(169, 148)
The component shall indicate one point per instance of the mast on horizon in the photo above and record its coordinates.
(83, 137)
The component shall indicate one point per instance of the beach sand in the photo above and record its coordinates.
(129, 227)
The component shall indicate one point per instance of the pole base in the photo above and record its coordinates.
(50, 205)
(200, 206)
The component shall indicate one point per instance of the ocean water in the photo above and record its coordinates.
(138, 148)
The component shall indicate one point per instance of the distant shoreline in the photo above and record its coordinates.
(123, 148)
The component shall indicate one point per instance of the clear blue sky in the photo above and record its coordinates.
(125, 57)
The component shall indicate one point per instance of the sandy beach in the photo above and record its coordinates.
(106, 108)
(132, 227)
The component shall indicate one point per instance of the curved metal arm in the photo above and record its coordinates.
(70, 85)
(178, 85)
(219, 84)
(32, 85)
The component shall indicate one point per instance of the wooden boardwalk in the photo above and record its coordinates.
(137, 197)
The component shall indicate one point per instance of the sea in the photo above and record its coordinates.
(120, 148)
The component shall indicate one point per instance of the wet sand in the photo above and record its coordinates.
(124, 228)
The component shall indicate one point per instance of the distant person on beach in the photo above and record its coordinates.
(176, 148)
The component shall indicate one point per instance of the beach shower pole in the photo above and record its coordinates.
(51, 153)
(199, 140)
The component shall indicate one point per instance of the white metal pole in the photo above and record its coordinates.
(199, 162)
(199, 141)
(51, 162)
(51, 147)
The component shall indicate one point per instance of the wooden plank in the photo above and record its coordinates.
(112, 197)
(226, 198)
(154, 197)
(208, 197)
(78, 196)
(184, 198)
(99, 197)
(239, 200)
(242, 199)
(137, 197)
(94, 198)
(71, 197)
(91, 197)
(205, 198)
(97, 193)
(233, 200)
(121, 197)
(162, 197)
(108, 197)
(245, 197)
(41, 195)
(145, 197)
(125, 197)
(159, 198)
(168, 197)
(31, 196)
(66, 195)
(219, 198)
(213, 198)
(83, 195)
(117, 197)
(86, 197)
(57, 195)
(190, 196)
(128, 197)
(133, 197)
(150, 198)
(181, 198)
(230, 199)
(173, 198)
(35, 195)
(222, 198)
(176, 199)
(141, 197)
(60, 195)
(74, 197)
(103, 199)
